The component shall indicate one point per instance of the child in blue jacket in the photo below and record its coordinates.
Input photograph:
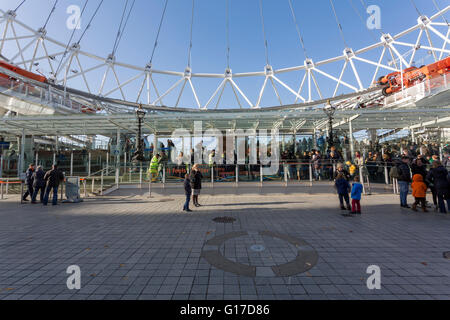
(343, 189)
(357, 190)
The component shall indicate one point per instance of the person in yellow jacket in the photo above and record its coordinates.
(153, 170)
(351, 168)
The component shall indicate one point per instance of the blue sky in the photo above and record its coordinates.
(315, 19)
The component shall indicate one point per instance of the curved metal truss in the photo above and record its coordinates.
(77, 64)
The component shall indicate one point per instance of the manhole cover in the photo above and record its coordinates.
(257, 248)
(224, 220)
(447, 255)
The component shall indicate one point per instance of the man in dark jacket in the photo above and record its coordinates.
(38, 184)
(53, 178)
(404, 178)
(438, 176)
(188, 192)
(29, 182)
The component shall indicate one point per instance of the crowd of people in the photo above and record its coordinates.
(418, 167)
(38, 181)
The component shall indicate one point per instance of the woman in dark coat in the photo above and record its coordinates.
(438, 176)
(196, 183)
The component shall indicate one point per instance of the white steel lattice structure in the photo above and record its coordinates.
(435, 34)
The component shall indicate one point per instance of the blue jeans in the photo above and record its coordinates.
(186, 204)
(36, 191)
(404, 189)
(47, 194)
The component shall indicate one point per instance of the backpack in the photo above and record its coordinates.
(394, 172)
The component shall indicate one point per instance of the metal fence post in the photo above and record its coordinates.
(7, 186)
(117, 177)
(285, 175)
(101, 184)
(150, 187)
(93, 185)
(130, 175)
(140, 177)
(1, 189)
(212, 177)
(237, 175)
(124, 165)
(164, 176)
(310, 174)
(21, 191)
(85, 190)
(71, 163)
(89, 164)
(386, 174)
(261, 176)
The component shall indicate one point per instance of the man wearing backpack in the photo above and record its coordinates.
(404, 179)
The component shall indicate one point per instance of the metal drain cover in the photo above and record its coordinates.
(447, 255)
(257, 248)
(224, 220)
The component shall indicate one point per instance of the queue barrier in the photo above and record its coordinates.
(7, 183)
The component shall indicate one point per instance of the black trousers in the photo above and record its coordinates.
(29, 191)
(421, 201)
(343, 196)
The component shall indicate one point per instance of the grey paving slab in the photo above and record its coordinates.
(146, 249)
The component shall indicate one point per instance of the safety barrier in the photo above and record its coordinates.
(7, 183)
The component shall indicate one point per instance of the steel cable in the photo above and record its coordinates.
(159, 30)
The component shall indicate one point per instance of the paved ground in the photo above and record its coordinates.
(132, 247)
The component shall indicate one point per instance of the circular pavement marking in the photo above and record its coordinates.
(306, 257)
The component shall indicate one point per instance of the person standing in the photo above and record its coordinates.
(343, 189)
(38, 184)
(438, 176)
(196, 184)
(188, 192)
(154, 165)
(53, 179)
(419, 191)
(29, 182)
(404, 178)
(357, 190)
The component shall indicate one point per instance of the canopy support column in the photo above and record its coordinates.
(352, 141)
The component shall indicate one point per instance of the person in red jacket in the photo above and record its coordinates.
(419, 192)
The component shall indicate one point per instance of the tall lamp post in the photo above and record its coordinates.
(139, 154)
(330, 110)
